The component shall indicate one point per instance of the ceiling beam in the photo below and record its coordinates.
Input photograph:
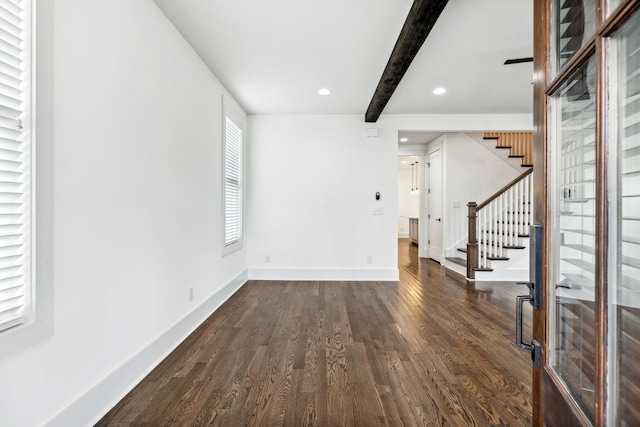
(421, 19)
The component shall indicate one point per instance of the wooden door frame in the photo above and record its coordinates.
(565, 408)
(541, 43)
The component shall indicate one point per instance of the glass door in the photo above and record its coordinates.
(587, 178)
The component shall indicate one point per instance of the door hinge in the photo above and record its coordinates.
(429, 190)
(428, 165)
(428, 216)
(428, 241)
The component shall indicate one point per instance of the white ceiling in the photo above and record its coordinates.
(274, 56)
(417, 137)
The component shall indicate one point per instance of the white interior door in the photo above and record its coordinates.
(435, 206)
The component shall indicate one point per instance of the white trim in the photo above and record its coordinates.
(89, 408)
(316, 274)
(18, 339)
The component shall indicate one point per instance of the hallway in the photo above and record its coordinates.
(428, 350)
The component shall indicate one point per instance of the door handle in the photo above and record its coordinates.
(520, 299)
(438, 219)
(534, 347)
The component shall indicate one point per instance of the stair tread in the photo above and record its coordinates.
(456, 260)
(492, 258)
(491, 243)
(503, 233)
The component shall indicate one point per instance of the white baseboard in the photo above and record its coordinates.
(304, 274)
(460, 269)
(97, 401)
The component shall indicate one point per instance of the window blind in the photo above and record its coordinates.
(233, 183)
(15, 206)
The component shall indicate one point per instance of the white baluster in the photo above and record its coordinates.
(496, 232)
(492, 226)
(520, 207)
(525, 222)
(511, 217)
(531, 205)
(500, 226)
(482, 239)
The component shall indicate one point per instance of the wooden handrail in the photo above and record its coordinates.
(504, 189)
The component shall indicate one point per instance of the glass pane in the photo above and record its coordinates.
(573, 251)
(574, 22)
(625, 223)
(612, 5)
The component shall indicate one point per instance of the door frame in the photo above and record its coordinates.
(422, 228)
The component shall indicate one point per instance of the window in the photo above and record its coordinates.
(16, 296)
(232, 179)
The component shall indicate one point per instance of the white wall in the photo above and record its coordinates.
(472, 174)
(312, 182)
(408, 204)
(137, 210)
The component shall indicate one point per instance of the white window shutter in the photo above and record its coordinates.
(232, 182)
(15, 165)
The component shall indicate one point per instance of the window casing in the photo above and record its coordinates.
(232, 179)
(17, 298)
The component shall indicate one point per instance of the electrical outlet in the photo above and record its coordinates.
(191, 293)
(377, 211)
(267, 259)
(369, 259)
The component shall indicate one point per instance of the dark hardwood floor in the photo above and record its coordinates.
(428, 350)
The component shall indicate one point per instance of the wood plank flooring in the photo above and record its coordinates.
(428, 350)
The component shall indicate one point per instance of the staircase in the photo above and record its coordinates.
(498, 227)
(519, 144)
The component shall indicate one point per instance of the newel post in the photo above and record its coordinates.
(472, 244)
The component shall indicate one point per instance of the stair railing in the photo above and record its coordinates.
(499, 222)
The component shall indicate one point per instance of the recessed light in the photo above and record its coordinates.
(324, 91)
(404, 162)
(404, 139)
(439, 91)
